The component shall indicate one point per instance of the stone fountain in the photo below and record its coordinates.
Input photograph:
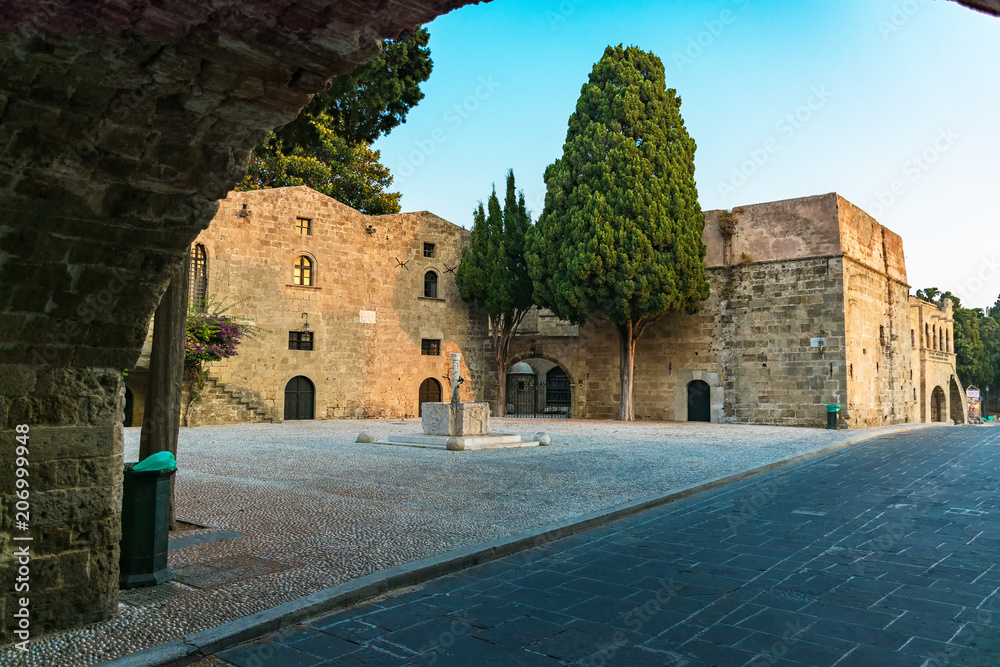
(458, 426)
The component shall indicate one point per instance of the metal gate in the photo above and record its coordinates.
(523, 398)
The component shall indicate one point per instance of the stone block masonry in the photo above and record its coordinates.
(378, 331)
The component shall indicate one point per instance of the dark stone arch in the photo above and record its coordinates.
(122, 127)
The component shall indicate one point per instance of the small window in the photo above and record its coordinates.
(304, 226)
(881, 335)
(428, 250)
(300, 340)
(430, 347)
(303, 271)
(913, 338)
(430, 285)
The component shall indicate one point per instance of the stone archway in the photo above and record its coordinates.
(957, 402)
(123, 124)
(939, 405)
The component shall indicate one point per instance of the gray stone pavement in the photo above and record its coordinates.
(885, 553)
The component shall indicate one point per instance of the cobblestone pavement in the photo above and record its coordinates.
(316, 509)
(882, 554)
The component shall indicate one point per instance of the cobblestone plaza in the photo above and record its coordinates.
(313, 509)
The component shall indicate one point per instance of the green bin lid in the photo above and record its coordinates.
(157, 461)
(833, 408)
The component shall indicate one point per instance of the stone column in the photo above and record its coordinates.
(74, 464)
(456, 371)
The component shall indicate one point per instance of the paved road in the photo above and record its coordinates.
(885, 553)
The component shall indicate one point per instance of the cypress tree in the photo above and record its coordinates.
(493, 273)
(620, 237)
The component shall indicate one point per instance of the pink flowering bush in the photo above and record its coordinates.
(212, 337)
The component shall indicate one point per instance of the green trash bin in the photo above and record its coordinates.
(831, 416)
(146, 522)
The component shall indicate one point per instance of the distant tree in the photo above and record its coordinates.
(620, 236)
(494, 276)
(328, 146)
(929, 294)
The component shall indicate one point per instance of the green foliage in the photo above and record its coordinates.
(350, 172)
(370, 101)
(328, 146)
(621, 233)
(493, 273)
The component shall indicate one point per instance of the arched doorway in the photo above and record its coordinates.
(938, 405)
(957, 404)
(699, 401)
(539, 387)
(300, 398)
(129, 407)
(430, 392)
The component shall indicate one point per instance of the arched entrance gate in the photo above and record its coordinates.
(539, 388)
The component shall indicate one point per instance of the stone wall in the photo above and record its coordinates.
(877, 312)
(366, 308)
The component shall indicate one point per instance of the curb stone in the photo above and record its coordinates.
(199, 645)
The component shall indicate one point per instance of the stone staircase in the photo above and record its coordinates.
(223, 403)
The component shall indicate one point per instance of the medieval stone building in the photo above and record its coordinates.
(809, 307)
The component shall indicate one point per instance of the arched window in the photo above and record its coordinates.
(927, 335)
(941, 340)
(198, 289)
(303, 271)
(947, 341)
(934, 337)
(431, 285)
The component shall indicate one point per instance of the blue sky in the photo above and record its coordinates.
(892, 103)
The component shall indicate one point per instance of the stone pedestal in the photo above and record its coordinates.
(457, 427)
(456, 418)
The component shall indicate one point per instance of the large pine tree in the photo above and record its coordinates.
(493, 273)
(620, 237)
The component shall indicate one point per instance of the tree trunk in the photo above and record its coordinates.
(502, 378)
(626, 345)
(161, 422)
